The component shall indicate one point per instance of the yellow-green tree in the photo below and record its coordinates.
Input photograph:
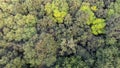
(57, 10)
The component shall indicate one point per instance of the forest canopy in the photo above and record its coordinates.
(59, 34)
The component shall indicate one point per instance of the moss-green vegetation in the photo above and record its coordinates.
(59, 34)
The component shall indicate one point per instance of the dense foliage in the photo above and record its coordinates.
(59, 34)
